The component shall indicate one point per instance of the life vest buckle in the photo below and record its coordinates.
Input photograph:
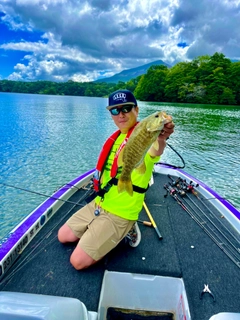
(96, 180)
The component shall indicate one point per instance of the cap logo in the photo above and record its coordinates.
(120, 96)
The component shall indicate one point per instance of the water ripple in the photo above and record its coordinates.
(46, 141)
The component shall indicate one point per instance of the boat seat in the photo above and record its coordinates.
(226, 316)
(17, 305)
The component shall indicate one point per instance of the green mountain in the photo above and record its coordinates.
(129, 74)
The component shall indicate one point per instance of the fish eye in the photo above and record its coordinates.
(156, 116)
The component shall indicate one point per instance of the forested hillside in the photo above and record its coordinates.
(213, 80)
(206, 79)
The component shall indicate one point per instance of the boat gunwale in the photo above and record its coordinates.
(19, 237)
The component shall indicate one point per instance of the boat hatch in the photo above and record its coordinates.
(145, 296)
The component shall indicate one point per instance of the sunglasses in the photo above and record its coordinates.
(124, 109)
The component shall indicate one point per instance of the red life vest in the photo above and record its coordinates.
(104, 155)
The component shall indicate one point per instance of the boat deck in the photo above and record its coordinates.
(185, 251)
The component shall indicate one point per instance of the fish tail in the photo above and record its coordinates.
(125, 185)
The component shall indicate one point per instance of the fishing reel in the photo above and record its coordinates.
(181, 186)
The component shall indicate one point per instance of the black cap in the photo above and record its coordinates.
(121, 97)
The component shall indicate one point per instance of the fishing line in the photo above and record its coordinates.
(171, 165)
(203, 226)
(39, 193)
(190, 188)
(67, 201)
(211, 222)
(68, 184)
(25, 261)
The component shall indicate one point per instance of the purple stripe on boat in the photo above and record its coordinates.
(13, 238)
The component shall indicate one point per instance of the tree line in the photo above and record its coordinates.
(207, 79)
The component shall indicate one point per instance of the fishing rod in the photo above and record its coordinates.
(189, 187)
(43, 194)
(225, 248)
(185, 188)
(152, 220)
(30, 256)
(146, 223)
(173, 193)
(232, 245)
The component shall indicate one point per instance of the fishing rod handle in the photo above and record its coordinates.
(146, 223)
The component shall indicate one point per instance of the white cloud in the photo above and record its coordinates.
(85, 39)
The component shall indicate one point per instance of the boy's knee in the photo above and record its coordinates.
(65, 234)
(60, 237)
(80, 259)
(77, 265)
(80, 265)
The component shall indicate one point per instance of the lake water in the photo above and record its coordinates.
(47, 141)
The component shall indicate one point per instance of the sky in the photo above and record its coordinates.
(61, 40)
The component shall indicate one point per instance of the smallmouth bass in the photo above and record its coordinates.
(132, 156)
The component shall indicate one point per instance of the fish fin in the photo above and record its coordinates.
(141, 169)
(125, 186)
(155, 145)
(120, 159)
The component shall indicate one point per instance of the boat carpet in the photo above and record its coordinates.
(185, 251)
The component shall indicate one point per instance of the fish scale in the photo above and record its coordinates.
(141, 139)
(137, 151)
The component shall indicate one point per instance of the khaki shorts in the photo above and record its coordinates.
(98, 234)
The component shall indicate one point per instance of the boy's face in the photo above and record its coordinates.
(125, 121)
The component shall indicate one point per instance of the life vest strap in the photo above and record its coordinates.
(114, 181)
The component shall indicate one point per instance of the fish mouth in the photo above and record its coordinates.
(159, 128)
